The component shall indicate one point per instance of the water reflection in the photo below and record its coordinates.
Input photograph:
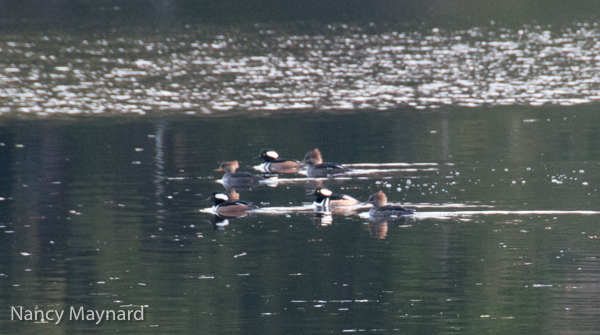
(159, 177)
(265, 69)
(323, 218)
(219, 222)
(378, 229)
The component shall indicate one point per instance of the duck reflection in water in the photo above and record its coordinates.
(274, 164)
(218, 222)
(317, 168)
(238, 180)
(378, 230)
(323, 218)
(378, 227)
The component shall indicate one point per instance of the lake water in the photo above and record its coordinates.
(109, 142)
(266, 68)
(104, 213)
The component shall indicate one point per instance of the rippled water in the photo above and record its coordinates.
(105, 214)
(264, 68)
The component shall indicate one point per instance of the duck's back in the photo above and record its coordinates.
(282, 166)
(326, 169)
(390, 211)
(234, 208)
(241, 179)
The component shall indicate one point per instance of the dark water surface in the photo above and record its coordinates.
(104, 213)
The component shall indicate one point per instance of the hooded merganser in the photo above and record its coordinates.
(274, 164)
(225, 208)
(326, 198)
(318, 168)
(233, 179)
(382, 209)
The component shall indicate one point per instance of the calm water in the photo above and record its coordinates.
(104, 213)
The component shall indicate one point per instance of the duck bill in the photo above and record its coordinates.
(219, 170)
(312, 192)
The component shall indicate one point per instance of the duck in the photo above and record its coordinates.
(318, 168)
(225, 208)
(274, 164)
(382, 210)
(325, 198)
(233, 179)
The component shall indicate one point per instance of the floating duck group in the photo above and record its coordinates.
(227, 207)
